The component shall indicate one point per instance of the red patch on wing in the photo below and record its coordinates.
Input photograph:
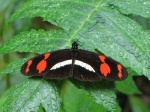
(104, 67)
(43, 64)
(28, 65)
(120, 70)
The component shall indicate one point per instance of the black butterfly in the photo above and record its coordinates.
(77, 63)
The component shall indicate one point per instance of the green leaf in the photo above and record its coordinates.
(103, 93)
(13, 67)
(77, 100)
(127, 86)
(35, 41)
(138, 105)
(29, 95)
(101, 26)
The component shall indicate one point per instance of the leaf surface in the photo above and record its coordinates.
(77, 100)
(28, 96)
(97, 25)
(103, 93)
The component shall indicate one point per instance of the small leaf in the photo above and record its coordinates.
(127, 86)
(77, 100)
(103, 93)
(29, 95)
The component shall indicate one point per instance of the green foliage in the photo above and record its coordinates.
(127, 86)
(102, 25)
(80, 101)
(28, 96)
(103, 93)
(138, 105)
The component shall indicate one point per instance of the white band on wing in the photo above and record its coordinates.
(69, 62)
(61, 64)
(84, 65)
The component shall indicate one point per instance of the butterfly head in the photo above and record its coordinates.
(75, 46)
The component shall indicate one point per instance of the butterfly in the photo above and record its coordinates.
(80, 64)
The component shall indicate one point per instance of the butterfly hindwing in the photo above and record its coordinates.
(85, 67)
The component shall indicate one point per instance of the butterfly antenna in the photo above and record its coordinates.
(98, 51)
(63, 29)
(79, 34)
(90, 29)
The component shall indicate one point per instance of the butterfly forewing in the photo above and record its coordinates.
(116, 70)
(102, 67)
(44, 65)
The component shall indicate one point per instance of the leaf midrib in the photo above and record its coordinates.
(29, 95)
(81, 26)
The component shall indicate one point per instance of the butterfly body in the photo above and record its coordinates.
(76, 63)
